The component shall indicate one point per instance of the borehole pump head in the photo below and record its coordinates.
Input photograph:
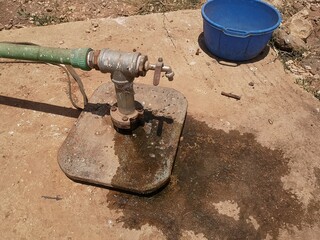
(124, 67)
(127, 64)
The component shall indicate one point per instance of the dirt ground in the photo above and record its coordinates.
(36, 13)
(23, 13)
(247, 169)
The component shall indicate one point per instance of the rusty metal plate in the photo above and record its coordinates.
(140, 162)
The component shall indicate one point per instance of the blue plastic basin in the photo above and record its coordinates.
(238, 30)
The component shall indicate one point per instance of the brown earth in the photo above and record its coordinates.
(23, 13)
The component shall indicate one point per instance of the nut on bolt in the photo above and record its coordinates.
(113, 108)
(140, 110)
(125, 118)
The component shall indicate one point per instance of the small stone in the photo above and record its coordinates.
(61, 42)
(110, 223)
(104, 4)
(298, 6)
(49, 9)
(287, 42)
(289, 62)
(313, 8)
(251, 84)
(72, 8)
(19, 26)
(307, 67)
(95, 24)
(299, 25)
(253, 69)
(88, 31)
(94, 29)
(8, 26)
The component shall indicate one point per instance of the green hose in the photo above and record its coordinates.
(75, 57)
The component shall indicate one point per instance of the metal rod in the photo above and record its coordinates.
(231, 95)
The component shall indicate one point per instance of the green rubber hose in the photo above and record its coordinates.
(75, 57)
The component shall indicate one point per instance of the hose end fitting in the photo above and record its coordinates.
(78, 58)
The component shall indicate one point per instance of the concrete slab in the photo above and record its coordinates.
(247, 169)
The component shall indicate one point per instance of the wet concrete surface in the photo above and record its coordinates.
(212, 167)
(143, 153)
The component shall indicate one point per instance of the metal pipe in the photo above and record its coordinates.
(125, 98)
(74, 57)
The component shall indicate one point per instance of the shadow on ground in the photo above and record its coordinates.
(213, 166)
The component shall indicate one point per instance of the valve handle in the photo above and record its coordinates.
(157, 72)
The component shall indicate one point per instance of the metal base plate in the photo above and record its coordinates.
(139, 162)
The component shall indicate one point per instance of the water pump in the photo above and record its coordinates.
(127, 135)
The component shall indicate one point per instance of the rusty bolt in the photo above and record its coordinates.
(125, 118)
(113, 108)
(140, 110)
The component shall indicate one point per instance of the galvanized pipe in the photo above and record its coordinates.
(124, 67)
(125, 98)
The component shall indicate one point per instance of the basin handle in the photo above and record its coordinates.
(235, 33)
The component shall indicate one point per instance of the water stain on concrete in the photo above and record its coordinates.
(313, 210)
(211, 167)
(146, 155)
(317, 174)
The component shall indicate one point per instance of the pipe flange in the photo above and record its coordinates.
(126, 122)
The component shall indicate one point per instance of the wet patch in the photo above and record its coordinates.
(313, 211)
(317, 174)
(213, 167)
(143, 153)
